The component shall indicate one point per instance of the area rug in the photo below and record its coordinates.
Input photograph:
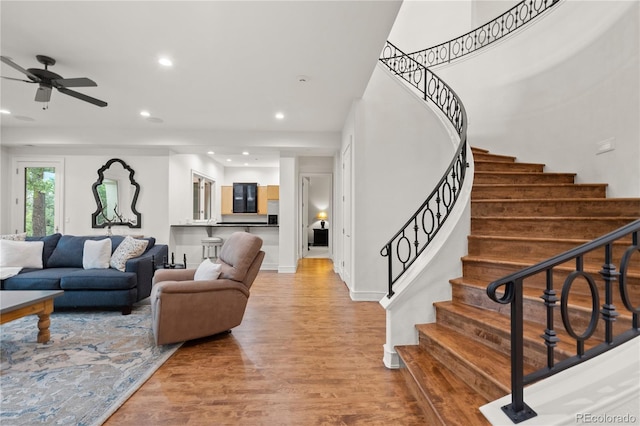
(94, 362)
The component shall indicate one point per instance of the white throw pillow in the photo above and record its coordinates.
(128, 249)
(23, 254)
(207, 271)
(96, 254)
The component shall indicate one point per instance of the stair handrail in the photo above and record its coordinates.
(439, 204)
(484, 35)
(509, 290)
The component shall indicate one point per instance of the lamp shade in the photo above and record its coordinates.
(322, 216)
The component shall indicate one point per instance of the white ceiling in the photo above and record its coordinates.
(236, 63)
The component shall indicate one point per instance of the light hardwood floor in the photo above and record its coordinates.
(305, 354)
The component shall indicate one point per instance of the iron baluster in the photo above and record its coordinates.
(550, 336)
(609, 275)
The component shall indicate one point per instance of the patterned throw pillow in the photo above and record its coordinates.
(14, 237)
(128, 249)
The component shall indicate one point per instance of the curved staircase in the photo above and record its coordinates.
(520, 215)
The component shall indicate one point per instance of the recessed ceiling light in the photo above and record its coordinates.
(5, 111)
(145, 113)
(210, 152)
(229, 159)
(246, 164)
(165, 62)
(279, 115)
(245, 152)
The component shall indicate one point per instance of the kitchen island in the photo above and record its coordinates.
(187, 239)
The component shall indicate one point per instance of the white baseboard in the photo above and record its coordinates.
(391, 358)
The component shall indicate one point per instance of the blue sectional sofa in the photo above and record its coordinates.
(62, 260)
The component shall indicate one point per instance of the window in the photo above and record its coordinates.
(38, 198)
(203, 196)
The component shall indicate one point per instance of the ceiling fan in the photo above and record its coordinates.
(47, 80)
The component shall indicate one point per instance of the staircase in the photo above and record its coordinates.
(520, 215)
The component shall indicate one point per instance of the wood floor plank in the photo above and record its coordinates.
(304, 354)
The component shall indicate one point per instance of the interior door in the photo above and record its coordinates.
(304, 220)
(346, 218)
(38, 197)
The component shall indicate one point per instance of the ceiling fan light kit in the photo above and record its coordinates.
(48, 80)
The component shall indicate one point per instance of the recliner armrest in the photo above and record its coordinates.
(173, 275)
(205, 286)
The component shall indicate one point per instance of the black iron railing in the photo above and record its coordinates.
(412, 239)
(408, 243)
(509, 290)
(505, 24)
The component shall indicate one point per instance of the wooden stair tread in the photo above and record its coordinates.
(554, 185)
(448, 396)
(532, 330)
(520, 264)
(488, 363)
(579, 301)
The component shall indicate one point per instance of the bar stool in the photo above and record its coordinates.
(208, 244)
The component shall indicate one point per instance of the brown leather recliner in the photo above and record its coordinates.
(184, 309)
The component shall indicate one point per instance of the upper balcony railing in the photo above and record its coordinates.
(483, 36)
(414, 236)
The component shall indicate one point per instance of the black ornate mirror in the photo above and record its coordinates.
(116, 194)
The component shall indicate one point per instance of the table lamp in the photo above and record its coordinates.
(322, 216)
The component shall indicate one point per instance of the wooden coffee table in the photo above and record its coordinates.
(16, 304)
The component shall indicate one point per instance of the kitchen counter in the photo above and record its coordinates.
(187, 239)
(226, 225)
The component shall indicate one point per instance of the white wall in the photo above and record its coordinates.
(553, 91)
(261, 175)
(287, 218)
(425, 23)
(400, 152)
(5, 191)
(180, 202)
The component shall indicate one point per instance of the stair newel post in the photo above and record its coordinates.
(550, 301)
(387, 251)
(517, 411)
(610, 276)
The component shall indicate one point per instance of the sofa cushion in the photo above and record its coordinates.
(14, 237)
(94, 279)
(38, 279)
(23, 254)
(128, 249)
(96, 254)
(68, 252)
(117, 239)
(50, 243)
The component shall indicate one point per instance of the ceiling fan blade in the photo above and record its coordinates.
(19, 68)
(74, 82)
(43, 94)
(17, 79)
(83, 97)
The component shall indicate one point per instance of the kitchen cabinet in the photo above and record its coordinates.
(245, 197)
(226, 200)
(273, 192)
(262, 199)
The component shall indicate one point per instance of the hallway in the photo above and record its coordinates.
(304, 354)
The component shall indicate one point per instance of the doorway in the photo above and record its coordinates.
(316, 212)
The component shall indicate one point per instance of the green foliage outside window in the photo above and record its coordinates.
(39, 201)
